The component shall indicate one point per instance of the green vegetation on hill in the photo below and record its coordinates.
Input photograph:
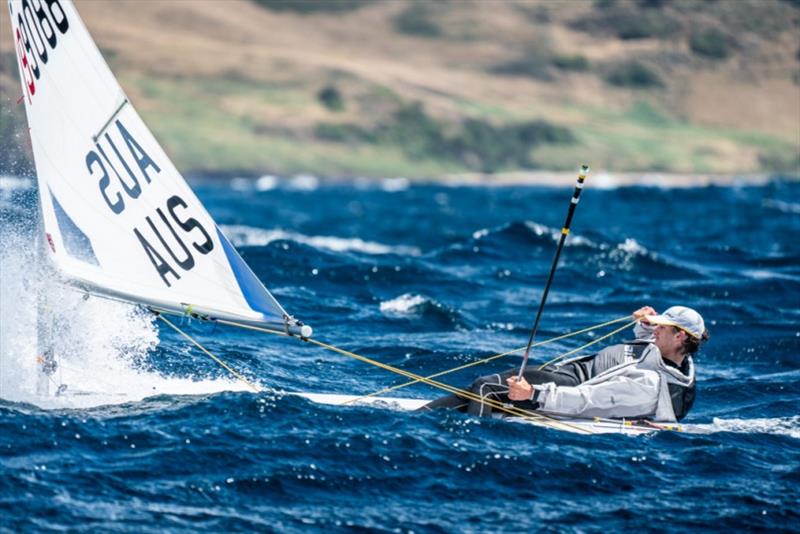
(314, 6)
(634, 74)
(417, 20)
(478, 145)
(711, 43)
(628, 21)
(414, 88)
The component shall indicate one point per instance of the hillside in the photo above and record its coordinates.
(404, 87)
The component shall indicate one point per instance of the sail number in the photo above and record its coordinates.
(38, 26)
(170, 237)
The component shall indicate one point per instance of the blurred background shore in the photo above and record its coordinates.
(678, 92)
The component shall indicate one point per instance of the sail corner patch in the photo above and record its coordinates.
(76, 243)
(254, 292)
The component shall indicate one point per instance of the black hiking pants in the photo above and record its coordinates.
(495, 388)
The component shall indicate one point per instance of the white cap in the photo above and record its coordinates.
(682, 317)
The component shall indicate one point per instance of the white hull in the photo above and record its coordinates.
(578, 426)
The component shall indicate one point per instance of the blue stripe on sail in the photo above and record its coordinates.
(253, 290)
(76, 243)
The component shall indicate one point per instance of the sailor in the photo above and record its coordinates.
(652, 377)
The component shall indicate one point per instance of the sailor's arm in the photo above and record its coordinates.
(620, 396)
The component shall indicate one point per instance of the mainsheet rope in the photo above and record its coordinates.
(545, 420)
(227, 367)
(514, 351)
(526, 414)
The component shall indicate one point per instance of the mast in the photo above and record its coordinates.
(44, 349)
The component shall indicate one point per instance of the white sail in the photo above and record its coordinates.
(119, 219)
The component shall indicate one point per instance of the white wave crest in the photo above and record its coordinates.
(632, 246)
(248, 236)
(624, 254)
(303, 182)
(555, 235)
(781, 205)
(406, 304)
(266, 183)
(784, 426)
(241, 184)
(393, 185)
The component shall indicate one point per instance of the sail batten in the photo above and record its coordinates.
(96, 136)
(119, 217)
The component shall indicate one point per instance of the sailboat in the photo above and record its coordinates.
(119, 221)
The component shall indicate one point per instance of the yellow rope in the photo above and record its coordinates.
(220, 362)
(497, 356)
(579, 349)
(513, 410)
(457, 391)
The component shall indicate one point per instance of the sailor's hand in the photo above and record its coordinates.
(643, 312)
(519, 390)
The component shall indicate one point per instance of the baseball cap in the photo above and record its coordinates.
(682, 317)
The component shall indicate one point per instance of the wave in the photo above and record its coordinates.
(526, 229)
(268, 182)
(403, 305)
(394, 185)
(248, 236)
(782, 426)
(763, 274)
(628, 246)
(263, 183)
(603, 254)
(413, 306)
(781, 205)
(303, 182)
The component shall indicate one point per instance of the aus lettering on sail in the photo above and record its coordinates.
(36, 30)
(169, 236)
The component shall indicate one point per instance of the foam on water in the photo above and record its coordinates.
(781, 205)
(575, 240)
(539, 230)
(783, 426)
(393, 185)
(248, 236)
(405, 304)
(266, 183)
(100, 344)
(303, 182)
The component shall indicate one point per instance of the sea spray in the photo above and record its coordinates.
(102, 347)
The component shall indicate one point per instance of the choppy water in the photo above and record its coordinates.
(156, 437)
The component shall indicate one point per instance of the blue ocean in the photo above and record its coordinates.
(152, 435)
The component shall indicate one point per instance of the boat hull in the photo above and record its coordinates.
(566, 424)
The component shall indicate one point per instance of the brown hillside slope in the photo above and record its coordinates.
(233, 85)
